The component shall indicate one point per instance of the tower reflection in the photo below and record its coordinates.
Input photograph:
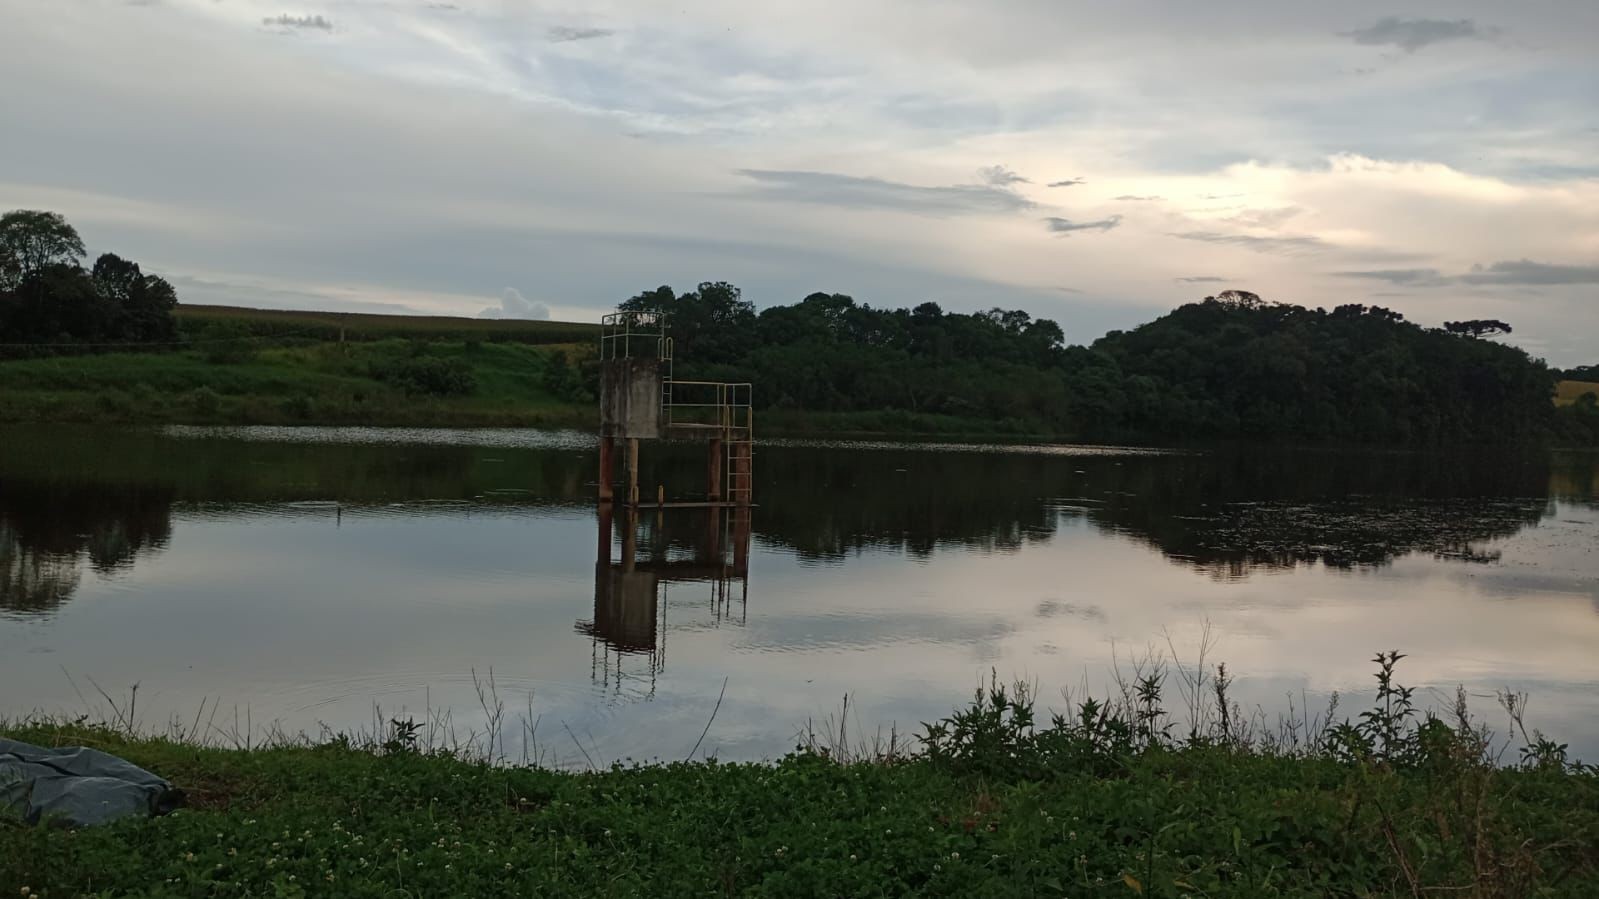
(706, 547)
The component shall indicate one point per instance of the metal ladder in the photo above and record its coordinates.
(739, 444)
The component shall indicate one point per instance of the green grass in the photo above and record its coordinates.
(1105, 803)
(311, 383)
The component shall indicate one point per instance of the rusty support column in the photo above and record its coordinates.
(713, 536)
(630, 541)
(606, 445)
(603, 557)
(632, 471)
(713, 471)
(741, 542)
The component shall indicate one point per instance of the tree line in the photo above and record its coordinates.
(1229, 366)
(48, 300)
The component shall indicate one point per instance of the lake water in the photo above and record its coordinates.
(338, 577)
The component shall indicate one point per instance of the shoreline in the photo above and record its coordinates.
(1115, 798)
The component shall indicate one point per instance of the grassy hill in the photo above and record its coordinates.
(250, 366)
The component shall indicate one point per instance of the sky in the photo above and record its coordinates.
(1089, 162)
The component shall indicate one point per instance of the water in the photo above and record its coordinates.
(341, 577)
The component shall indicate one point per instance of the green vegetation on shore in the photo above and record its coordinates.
(1232, 366)
(1111, 799)
(381, 382)
(110, 343)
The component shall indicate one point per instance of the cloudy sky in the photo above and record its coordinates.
(1093, 162)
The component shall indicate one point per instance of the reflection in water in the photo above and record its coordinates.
(48, 530)
(310, 580)
(69, 496)
(628, 597)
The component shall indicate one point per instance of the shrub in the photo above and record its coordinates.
(428, 376)
(205, 401)
(298, 406)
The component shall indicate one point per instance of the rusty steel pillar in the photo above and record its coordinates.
(632, 471)
(603, 557)
(607, 444)
(630, 541)
(741, 541)
(713, 471)
(713, 535)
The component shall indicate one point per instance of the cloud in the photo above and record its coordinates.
(1069, 182)
(288, 21)
(1517, 273)
(1265, 218)
(1408, 277)
(1063, 227)
(514, 305)
(1201, 279)
(1068, 290)
(1525, 272)
(1283, 246)
(1132, 198)
(1000, 176)
(853, 192)
(562, 34)
(1411, 35)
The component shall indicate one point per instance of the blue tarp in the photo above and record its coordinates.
(77, 786)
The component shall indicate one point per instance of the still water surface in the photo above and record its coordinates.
(308, 576)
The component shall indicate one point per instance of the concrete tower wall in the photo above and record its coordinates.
(630, 398)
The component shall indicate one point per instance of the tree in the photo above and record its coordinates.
(141, 304)
(1243, 299)
(714, 321)
(31, 240)
(1477, 327)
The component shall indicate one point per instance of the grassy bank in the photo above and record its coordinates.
(1111, 800)
(512, 384)
(389, 381)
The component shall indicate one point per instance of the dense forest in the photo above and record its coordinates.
(1231, 366)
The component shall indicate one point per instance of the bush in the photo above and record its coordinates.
(298, 406)
(205, 401)
(428, 376)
